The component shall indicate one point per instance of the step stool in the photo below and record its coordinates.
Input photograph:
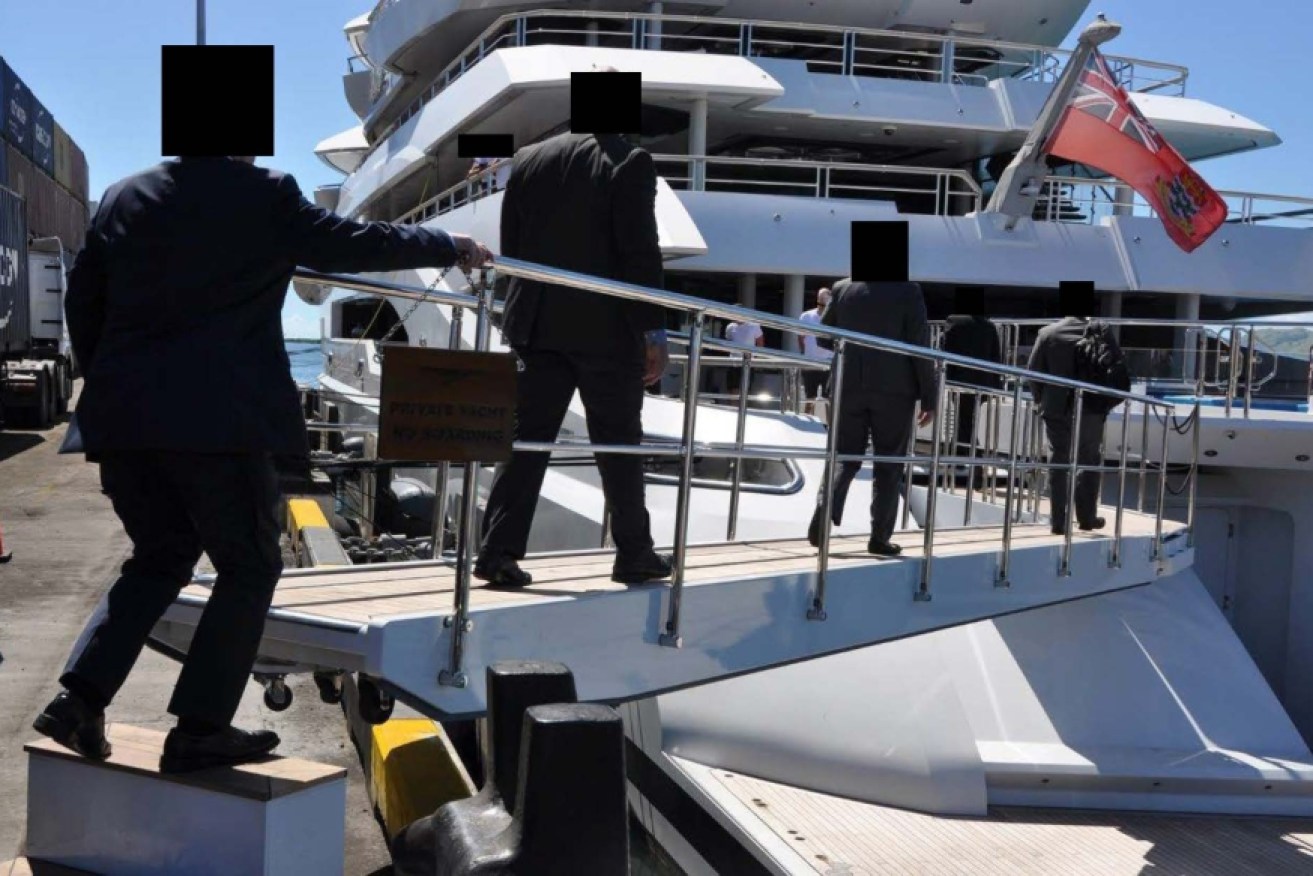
(278, 817)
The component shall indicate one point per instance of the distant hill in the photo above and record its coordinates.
(301, 340)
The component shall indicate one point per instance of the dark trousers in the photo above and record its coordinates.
(612, 391)
(174, 506)
(814, 382)
(886, 422)
(1088, 452)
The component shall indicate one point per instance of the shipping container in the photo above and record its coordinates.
(81, 187)
(63, 158)
(15, 298)
(51, 211)
(17, 109)
(43, 137)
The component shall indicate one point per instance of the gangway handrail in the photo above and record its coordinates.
(700, 310)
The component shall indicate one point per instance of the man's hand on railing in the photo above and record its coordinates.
(469, 252)
(926, 418)
(658, 356)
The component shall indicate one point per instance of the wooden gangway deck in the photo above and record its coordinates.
(745, 607)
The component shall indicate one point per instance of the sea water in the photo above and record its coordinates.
(307, 361)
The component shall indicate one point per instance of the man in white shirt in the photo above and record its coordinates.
(813, 379)
(747, 334)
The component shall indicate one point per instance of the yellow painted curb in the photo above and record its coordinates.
(413, 770)
(302, 513)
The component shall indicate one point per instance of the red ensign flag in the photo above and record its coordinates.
(1103, 129)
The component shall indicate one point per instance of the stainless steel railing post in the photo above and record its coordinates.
(1115, 560)
(1233, 373)
(1144, 456)
(1073, 469)
(928, 541)
(740, 431)
(443, 486)
(1249, 373)
(1162, 491)
(671, 637)
(996, 415)
(1010, 494)
(908, 471)
(1194, 474)
(831, 471)
(459, 622)
(971, 455)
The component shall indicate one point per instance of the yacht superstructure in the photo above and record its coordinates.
(780, 123)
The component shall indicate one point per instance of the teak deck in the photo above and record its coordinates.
(837, 835)
(363, 594)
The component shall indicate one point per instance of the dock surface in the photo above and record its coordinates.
(67, 547)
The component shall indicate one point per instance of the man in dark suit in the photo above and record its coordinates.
(582, 202)
(970, 333)
(1055, 353)
(175, 312)
(880, 394)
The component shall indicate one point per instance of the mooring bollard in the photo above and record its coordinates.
(554, 799)
(572, 811)
(514, 687)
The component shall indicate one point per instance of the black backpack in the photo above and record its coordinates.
(1100, 361)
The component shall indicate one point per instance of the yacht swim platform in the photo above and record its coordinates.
(807, 832)
(744, 609)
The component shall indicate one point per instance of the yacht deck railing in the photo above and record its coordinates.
(1089, 201)
(950, 191)
(1019, 437)
(1227, 360)
(825, 48)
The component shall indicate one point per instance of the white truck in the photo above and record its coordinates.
(36, 358)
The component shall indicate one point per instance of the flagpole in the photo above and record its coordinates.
(200, 22)
(1019, 188)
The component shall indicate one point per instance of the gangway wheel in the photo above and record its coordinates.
(375, 703)
(277, 695)
(330, 687)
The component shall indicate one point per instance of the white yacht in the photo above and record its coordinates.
(784, 122)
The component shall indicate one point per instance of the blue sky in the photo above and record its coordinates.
(95, 65)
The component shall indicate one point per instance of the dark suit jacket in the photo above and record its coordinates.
(588, 204)
(973, 336)
(175, 304)
(888, 310)
(1055, 353)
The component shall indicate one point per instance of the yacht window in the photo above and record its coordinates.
(759, 475)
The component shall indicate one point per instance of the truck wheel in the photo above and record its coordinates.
(64, 383)
(40, 416)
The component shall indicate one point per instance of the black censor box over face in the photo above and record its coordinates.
(446, 406)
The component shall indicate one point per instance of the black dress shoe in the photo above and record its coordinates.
(500, 570)
(652, 566)
(74, 724)
(884, 548)
(184, 752)
(1096, 523)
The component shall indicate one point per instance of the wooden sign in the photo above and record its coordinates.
(446, 405)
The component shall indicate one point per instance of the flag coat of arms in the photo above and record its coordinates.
(1104, 129)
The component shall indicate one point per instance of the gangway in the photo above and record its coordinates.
(426, 631)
